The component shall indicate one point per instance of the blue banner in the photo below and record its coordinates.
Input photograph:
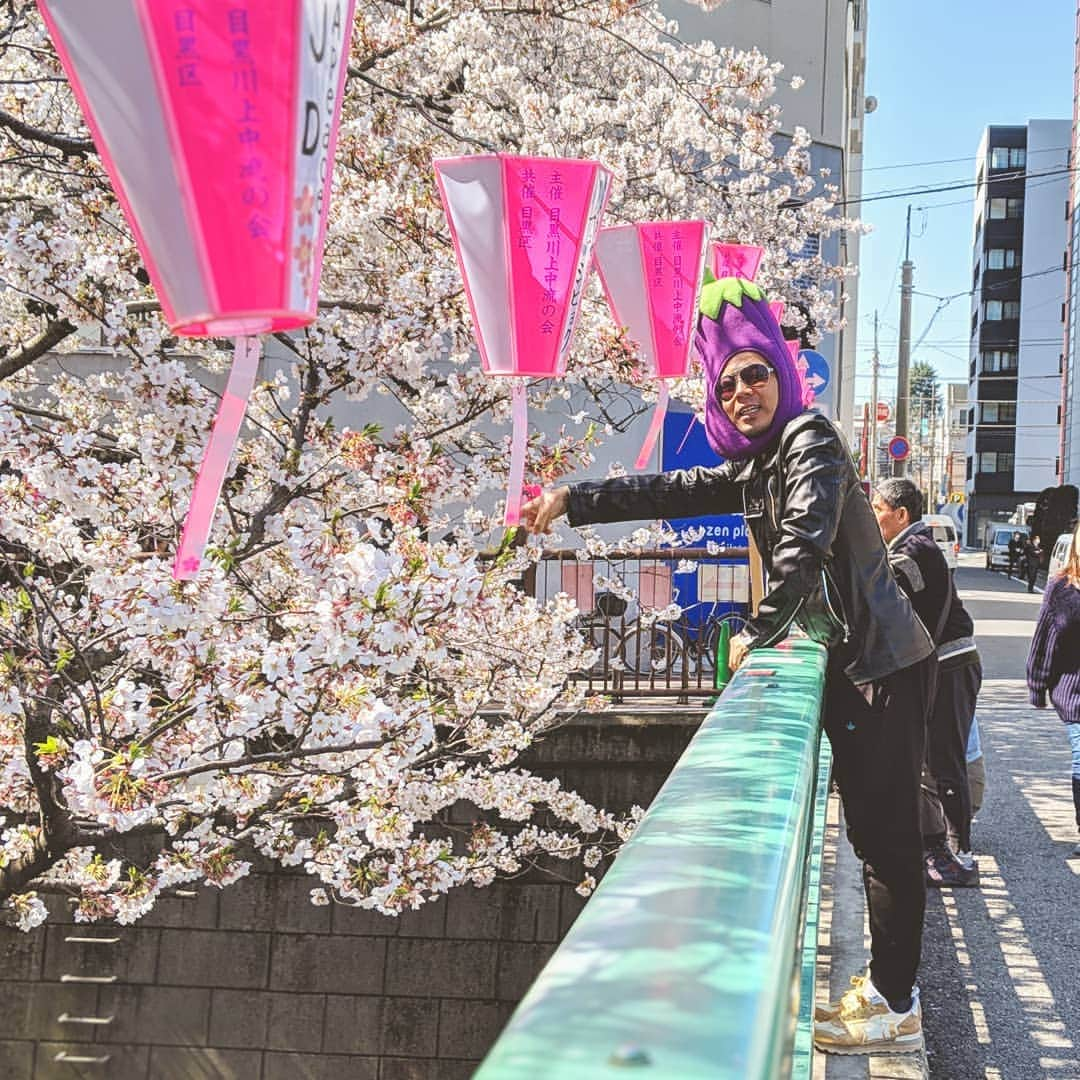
(711, 592)
(685, 446)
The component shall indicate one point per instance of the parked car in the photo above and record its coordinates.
(1059, 554)
(997, 544)
(944, 529)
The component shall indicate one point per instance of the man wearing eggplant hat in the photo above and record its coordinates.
(787, 468)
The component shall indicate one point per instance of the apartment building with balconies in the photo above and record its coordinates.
(1022, 205)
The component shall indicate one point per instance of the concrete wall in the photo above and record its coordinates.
(824, 42)
(254, 983)
(807, 36)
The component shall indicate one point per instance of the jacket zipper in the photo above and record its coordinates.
(840, 620)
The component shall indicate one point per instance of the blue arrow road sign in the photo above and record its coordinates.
(817, 370)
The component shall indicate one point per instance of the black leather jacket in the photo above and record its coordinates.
(824, 558)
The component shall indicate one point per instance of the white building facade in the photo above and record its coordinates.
(1017, 316)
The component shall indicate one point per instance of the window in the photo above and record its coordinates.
(999, 412)
(1002, 309)
(969, 468)
(998, 360)
(1002, 259)
(1008, 157)
(1000, 209)
(994, 461)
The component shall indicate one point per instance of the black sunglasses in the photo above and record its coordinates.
(752, 375)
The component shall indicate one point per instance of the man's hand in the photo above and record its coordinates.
(737, 652)
(538, 514)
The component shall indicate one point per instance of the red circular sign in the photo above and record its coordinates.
(899, 448)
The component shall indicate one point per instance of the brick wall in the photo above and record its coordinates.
(254, 983)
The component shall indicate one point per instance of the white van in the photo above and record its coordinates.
(944, 530)
(1059, 554)
(997, 544)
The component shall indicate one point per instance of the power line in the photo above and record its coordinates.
(951, 161)
(998, 285)
(878, 196)
(1005, 343)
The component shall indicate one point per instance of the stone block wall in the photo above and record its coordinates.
(254, 983)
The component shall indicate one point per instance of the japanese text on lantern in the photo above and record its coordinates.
(187, 49)
(551, 250)
(245, 88)
(525, 221)
(678, 334)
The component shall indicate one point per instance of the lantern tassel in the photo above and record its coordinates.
(645, 453)
(216, 457)
(519, 411)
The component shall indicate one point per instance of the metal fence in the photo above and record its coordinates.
(659, 620)
(695, 958)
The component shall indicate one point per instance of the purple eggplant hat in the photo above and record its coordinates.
(734, 317)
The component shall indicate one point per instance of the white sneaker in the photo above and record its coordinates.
(866, 1025)
(967, 858)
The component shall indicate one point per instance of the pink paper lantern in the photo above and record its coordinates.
(735, 260)
(523, 230)
(216, 124)
(652, 273)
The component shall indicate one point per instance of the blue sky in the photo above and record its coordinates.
(941, 73)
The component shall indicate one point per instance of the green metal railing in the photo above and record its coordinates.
(695, 957)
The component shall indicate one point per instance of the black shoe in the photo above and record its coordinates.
(945, 870)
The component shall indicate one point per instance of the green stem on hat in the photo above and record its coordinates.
(730, 289)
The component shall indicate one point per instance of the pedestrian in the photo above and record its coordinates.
(1032, 558)
(1015, 547)
(1053, 667)
(789, 471)
(924, 575)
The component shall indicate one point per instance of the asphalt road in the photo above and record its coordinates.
(1000, 976)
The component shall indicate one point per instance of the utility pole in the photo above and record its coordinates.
(871, 472)
(903, 365)
(932, 494)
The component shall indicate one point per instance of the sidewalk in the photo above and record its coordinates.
(1000, 975)
(843, 949)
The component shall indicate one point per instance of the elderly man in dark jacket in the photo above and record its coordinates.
(924, 576)
(788, 470)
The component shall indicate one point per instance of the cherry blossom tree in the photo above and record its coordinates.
(357, 656)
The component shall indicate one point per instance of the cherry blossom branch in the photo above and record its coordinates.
(66, 144)
(25, 355)
(228, 764)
